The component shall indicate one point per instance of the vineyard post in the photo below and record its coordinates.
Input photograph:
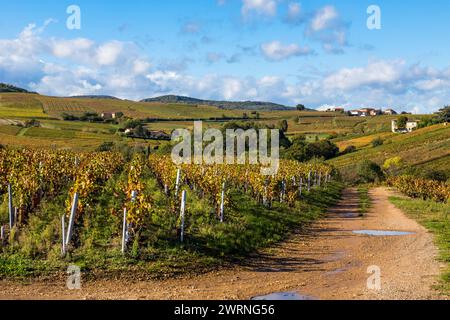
(73, 212)
(222, 200)
(63, 236)
(2, 233)
(125, 225)
(320, 177)
(283, 190)
(124, 229)
(177, 184)
(10, 206)
(309, 181)
(300, 186)
(16, 214)
(182, 211)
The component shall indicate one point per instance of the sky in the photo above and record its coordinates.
(311, 52)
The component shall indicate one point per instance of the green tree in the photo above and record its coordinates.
(301, 107)
(283, 125)
(392, 166)
(369, 171)
(444, 114)
(377, 142)
(401, 122)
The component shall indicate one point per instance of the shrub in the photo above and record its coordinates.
(369, 171)
(392, 166)
(349, 149)
(377, 142)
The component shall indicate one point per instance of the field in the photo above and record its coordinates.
(19, 107)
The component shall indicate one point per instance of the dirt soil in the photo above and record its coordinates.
(328, 262)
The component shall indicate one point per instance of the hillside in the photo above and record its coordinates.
(427, 148)
(243, 105)
(96, 97)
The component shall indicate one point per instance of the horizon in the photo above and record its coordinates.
(284, 52)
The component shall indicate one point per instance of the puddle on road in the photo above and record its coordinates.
(284, 296)
(382, 233)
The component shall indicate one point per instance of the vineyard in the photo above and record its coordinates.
(60, 205)
(421, 188)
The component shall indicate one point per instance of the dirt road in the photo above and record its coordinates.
(329, 262)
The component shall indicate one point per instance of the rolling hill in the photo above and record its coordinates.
(230, 105)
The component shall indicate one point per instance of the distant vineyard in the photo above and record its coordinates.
(421, 188)
(52, 105)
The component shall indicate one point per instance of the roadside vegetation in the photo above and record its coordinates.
(435, 217)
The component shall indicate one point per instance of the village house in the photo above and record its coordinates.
(109, 115)
(390, 112)
(410, 126)
(335, 109)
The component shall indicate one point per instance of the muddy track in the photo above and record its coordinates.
(329, 262)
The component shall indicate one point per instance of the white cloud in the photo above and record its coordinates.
(276, 51)
(327, 27)
(108, 53)
(324, 18)
(259, 7)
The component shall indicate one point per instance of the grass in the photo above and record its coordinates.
(364, 202)
(434, 217)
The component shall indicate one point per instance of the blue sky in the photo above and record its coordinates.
(311, 52)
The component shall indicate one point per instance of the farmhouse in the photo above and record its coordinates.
(335, 109)
(390, 112)
(410, 127)
(365, 112)
(109, 115)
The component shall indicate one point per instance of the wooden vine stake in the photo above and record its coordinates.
(63, 236)
(10, 207)
(73, 213)
(125, 225)
(182, 213)
(177, 183)
(124, 229)
(309, 181)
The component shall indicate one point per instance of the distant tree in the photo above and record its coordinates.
(301, 107)
(444, 114)
(348, 149)
(322, 149)
(105, 146)
(378, 141)
(369, 171)
(401, 122)
(437, 175)
(283, 125)
(245, 115)
(119, 115)
(392, 166)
